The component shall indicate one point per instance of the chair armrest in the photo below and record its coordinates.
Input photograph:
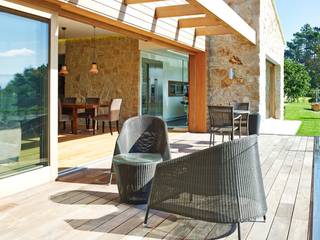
(237, 117)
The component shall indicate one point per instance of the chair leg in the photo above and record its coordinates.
(94, 126)
(103, 126)
(146, 217)
(117, 123)
(213, 138)
(222, 137)
(64, 125)
(110, 127)
(232, 135)
(210, 142)
(239, 231)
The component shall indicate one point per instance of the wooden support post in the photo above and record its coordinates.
(198, 92)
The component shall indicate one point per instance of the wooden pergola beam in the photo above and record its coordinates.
(140, 1)
(197, 22)
(177, 11)
(223, 12)
(213, 30)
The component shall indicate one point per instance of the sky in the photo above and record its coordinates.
(296, 13)
(23, 43)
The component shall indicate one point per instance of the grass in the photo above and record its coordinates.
(301, 111)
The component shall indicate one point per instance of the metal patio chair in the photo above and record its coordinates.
(244, 116)
(222, 120)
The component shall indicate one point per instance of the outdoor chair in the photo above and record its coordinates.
(222, 120)
(112, 116)
(141, 145)
(245, 106)
(89, 113)
(63, 118)
(221, 184)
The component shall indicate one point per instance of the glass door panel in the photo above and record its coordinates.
(24, 51)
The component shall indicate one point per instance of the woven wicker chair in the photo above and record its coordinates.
(221, 184)
(143, 134)
(222, 120)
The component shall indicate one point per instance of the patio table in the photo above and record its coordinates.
(134, 173)
(75, 107)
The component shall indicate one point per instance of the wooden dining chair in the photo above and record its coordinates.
(112, 116)
(70, 100)
(89, 113)
(63, 118)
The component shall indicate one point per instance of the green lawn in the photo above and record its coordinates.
(302, 111)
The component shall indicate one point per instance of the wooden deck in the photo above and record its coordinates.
(82, 206)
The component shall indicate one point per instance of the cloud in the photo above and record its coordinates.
(24, 52)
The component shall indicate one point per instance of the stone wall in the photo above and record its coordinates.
(118, 60)
(248, 60)
(231, 51)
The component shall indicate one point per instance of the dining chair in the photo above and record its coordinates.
(112, 116)
(70, 100)
(222, 120)
(245, 116)
(89, 113)
(63, 118)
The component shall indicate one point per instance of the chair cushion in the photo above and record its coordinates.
(65, 117)
(223, 129)
(137, 158)
(102, 117)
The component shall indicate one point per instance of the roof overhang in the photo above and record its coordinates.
(180, 23)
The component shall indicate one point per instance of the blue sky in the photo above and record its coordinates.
(295, 13)
(23, 43)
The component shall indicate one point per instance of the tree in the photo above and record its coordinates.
(296, 80)
(305, 49)
(28, 87)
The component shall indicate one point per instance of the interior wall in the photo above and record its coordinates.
(175, 68)
(118, 60)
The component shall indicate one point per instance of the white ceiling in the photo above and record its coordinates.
(77, 29)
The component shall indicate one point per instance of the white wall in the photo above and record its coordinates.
(272, 46)
(175, 68)
(23, 181)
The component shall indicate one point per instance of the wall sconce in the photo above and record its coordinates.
(231, 73)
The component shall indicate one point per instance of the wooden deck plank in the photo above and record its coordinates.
(77, 209)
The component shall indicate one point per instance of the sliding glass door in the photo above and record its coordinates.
(24, 53)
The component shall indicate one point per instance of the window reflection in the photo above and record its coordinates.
(23, 93)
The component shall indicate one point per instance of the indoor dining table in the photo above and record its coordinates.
(75, 107)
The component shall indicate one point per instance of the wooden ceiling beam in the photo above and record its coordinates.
(177, 11)
(197, 22)
(213, 30)
(140, 1)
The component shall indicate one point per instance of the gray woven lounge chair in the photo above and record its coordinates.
(221, 184)
(142, 143)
